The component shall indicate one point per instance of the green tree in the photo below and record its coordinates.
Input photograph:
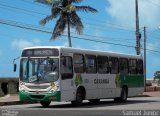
(66, 11)
(157, 75)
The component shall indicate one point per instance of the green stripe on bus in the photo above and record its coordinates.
(129, 80)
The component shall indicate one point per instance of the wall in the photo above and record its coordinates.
(8, 86)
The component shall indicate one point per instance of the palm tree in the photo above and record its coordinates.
(66, 11)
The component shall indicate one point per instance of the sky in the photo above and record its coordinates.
(114, 23)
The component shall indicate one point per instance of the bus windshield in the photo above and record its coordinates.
(39, 70)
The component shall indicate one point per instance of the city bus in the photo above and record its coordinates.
(70, 74)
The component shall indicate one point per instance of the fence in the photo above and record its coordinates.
(152, 88)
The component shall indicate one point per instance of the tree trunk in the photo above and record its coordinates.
(69, 35)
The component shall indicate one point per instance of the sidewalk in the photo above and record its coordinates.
(152, 94)
(14, 99)
(11, 100)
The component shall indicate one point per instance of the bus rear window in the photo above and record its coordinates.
(133, 66)
(123, 66)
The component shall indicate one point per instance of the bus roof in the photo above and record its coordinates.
(88, 51)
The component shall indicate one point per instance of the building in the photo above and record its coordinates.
(8, 86)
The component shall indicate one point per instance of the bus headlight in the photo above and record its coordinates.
(21, 89)
(54, 88)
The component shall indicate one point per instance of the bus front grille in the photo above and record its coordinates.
(37, 96)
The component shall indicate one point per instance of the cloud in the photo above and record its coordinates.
(123, 12)
(20, 43)
(153, 46)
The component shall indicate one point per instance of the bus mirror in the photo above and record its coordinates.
(15, 67)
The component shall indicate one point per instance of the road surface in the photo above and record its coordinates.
(138, 106)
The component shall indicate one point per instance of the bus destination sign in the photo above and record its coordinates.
(40, 52)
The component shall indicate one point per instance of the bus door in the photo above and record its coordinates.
(66, 70)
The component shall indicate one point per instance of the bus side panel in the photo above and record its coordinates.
(68, 90)
(134, 82)
(70, 86)
(135, 91)
(106, 85)
(90, 86)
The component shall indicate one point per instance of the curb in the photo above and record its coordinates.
(141, 95)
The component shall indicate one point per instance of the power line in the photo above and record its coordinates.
(91, 20)
(30, 2)
(48, 32)
(100, 27)
(44, 31)
(86, 35)
(104, 37)
(104, 27)
(28, 11)
(100, 22)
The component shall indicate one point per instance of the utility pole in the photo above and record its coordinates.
(138, 35)
(145, 39)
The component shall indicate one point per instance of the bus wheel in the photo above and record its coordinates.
(94, 101)
(44, 103)
(79, 98)
(124, 95)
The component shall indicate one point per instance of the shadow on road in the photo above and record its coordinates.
(100, 104)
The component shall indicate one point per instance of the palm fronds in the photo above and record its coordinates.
(59, 27)
(76, 1)
(68, 17)
(86, 9)
(46, 2)
(75, 21)
(45, 20)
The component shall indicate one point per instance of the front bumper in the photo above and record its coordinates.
(24, 96)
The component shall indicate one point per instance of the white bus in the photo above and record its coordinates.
(68, 74)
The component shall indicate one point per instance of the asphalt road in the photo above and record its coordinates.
(138, 106)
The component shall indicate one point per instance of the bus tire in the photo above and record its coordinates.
(79, 98)
(45, 104)
(94, 101)
(123, 97)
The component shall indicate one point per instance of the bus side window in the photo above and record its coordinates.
(133, 66)
(78, 61)
(66, 67)
(140, 66)
(123, 66)
(113, 63)
(91, 65)
(103, 66)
